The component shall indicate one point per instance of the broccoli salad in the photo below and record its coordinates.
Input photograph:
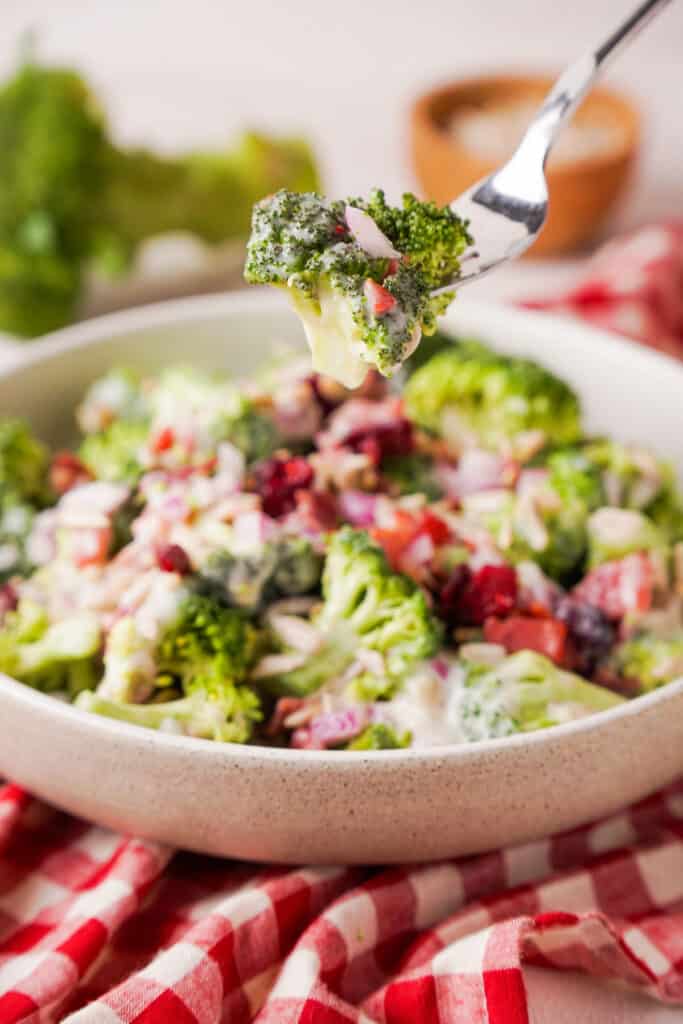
(281, 561)
(360, 274)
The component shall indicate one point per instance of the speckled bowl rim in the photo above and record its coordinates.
(87, 333)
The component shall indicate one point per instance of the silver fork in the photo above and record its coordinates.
(507, 210)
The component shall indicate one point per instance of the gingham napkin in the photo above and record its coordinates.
(633, 285)
(97, 928)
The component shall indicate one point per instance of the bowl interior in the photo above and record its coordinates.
(627, 391)
(339, 806)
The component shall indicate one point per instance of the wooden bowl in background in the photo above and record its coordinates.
(583, 191)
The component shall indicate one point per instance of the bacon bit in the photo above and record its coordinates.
(410, 539)
(523, 633)
(393, 267)
(437, 529)
(618, 684)
(317, 510)
(379, 299)
(397, 537)
(163, 440)
(340, 229)
(173, 558)
(91, 546)
(68, 471)
(384, 439)
(374, 387)
(284, 707)
(617, 588)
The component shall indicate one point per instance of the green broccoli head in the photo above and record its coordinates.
(635, 478)
(216, 409)
(379, 736)
(114, 453)
(412, 474)
(649, 660)
(575, 478)
(207, 644)
(471, 395)
(225, 716)
(433, 237)
(16, 521)
(251, 431)
(366, 606)
(358, 309)
(206, 653)
(284, 567)
(523, 693)
(54, 146)
(61, 656)
(23, 462)
(547, 530)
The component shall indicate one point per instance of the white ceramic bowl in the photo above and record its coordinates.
(301, 806)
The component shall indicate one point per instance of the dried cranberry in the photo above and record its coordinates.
(9, 599)
(277, 480)
(591, 634)
(451, 593)
(173, 558)
(386, 439)
(469, 598)
(67, 471)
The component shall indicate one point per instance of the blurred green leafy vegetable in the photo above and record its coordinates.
(70, 198)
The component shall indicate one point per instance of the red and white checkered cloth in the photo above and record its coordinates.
(634, 286)
(96, 928)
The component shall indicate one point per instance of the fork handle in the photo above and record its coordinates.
(574, 83)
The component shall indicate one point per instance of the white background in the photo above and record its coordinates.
(185, 72)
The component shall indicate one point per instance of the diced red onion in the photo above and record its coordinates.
(253, 529)
(420, 551)
(332, 729)
(369, 237)
(477, 471)
(441, 667)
